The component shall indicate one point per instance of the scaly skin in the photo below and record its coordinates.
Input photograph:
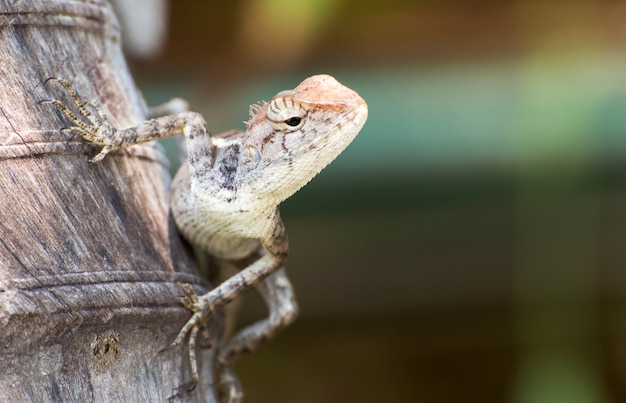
(225, 198)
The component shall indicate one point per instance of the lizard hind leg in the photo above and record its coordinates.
(277, 292)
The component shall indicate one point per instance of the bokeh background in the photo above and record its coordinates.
(470, 245)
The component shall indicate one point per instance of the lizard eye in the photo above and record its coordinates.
(286, 114)
(293, 121)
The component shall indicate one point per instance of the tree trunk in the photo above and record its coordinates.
(90, 255)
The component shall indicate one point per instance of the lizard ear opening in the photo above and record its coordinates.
(254, 154)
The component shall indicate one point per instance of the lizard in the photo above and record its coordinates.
(225, 198)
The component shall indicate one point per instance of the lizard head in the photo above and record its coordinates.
(291, 138)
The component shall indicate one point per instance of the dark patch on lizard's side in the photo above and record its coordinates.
(228, 166)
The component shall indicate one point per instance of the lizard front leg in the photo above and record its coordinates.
(275, 256)
(278, 294)
(93, 126)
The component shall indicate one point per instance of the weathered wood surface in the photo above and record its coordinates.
(89, 254)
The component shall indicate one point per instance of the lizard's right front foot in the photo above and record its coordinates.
(90, 125)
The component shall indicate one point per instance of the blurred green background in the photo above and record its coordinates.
(470, 245)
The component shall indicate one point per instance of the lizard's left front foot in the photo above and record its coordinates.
(201, 307)
(228, 385)
(91, 125)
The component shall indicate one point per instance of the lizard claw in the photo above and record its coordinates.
(191, 327)
(200, 307)
(190, 300)
(90, 123)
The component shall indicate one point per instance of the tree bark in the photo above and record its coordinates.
(89, 254)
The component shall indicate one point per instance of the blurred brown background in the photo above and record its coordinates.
(470, 245)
